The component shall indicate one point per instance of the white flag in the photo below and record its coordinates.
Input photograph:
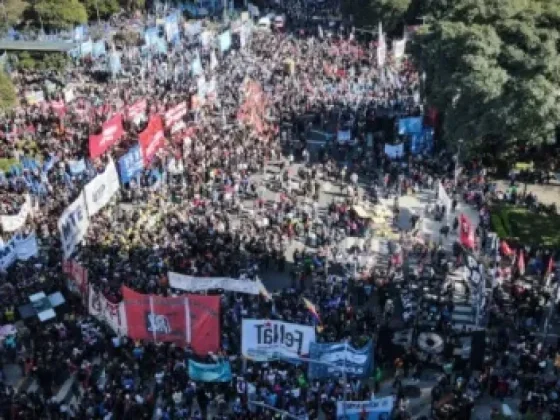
(381, 47)
(213, 60)
(320, 32)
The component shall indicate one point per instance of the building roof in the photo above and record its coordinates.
(47, 46)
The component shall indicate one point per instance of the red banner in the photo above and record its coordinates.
(111, 133)
(187, 319)
(175, 114)
(467, 232)
(151, 139)
(77, 274)
(137, 110)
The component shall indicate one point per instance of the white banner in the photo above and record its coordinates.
(263, 339)
(18, 248)
(100, 190)
(73, 225)
(443, 198)
(399, 48)
(199, 284)
(15, 222)
(112, 313)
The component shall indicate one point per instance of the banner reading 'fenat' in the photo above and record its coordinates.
(376, 409)
(73, 225)
(337, 358)
(263, 339)
(151, 139)
(111, 132)
(199, 284)
(188, 319)
(101, 189)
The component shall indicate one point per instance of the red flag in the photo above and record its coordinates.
(521, 263)
(466, 235)
(550, 266)
(506, 250)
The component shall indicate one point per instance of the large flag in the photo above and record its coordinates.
(521, 263)
(466, 234)
(184, 320)
(506, 250)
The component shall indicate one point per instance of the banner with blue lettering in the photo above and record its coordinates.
(204, 372)
(86, 48)
(376, 409)
(411, 125)
(99, 49)
(336, 358)
(225, 41)
(130, 164)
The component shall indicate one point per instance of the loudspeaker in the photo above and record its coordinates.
(478, 348)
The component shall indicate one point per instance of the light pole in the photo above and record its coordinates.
(457, 162)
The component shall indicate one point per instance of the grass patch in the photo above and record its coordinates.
(525, 226)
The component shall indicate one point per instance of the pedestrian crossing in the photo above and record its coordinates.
(463, 315)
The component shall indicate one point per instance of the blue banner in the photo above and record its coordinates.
(114, 63)
(77, 166)
(203, 372)
(376, 409)
(411, 125)
(172, 28)
(130, 164)
(196, 66)
(335, 358)
(422, 142)
(99, 49)
(225, 41)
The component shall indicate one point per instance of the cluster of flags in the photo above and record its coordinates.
(519, 259)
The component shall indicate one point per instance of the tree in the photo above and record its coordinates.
(367, 13)
(60, 14)
(106, 8)
(493, 68)
(11, 12)
(133, 5)
(8, 96)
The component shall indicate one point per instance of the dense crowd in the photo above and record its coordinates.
(233, 187)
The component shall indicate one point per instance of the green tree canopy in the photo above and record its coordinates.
(60, 14)
(367, 13)
(8, 96)
(493, 68)
(106, 8)
(11, 12)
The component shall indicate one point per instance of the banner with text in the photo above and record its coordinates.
(130, 164)
(188, 319)
(111, 313)
(99, 191)
(73, 225)
(151, 139)
(16, 221)
(263, 339)
(376, 409)
(337, 358)
(200, 284)
(19, 247)
(111, 132)
(210, 372)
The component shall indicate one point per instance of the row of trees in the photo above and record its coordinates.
(491, 67)
(61, 14)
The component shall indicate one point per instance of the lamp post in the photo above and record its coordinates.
(457, 160)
